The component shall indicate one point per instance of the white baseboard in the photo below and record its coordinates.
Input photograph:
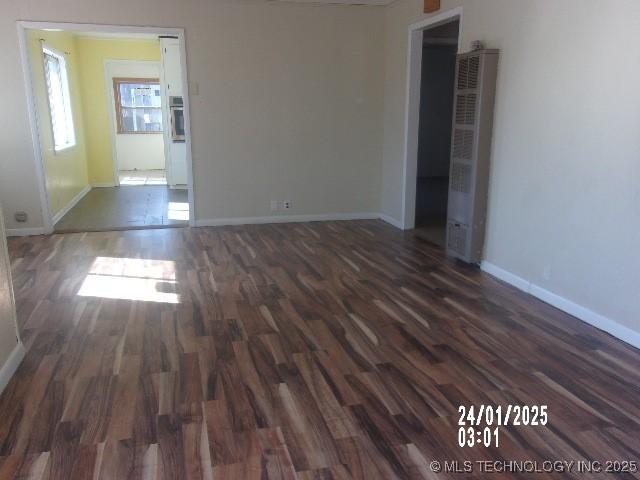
(25, 232)
(11, 365)
(71, 204)
(323, 217)
(216, 222)
(597, 320)
(510, 278)
(391, 221)
(103, 185)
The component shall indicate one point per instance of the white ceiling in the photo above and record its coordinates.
(137, 36)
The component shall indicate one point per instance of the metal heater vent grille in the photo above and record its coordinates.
(462, 144)
(474, 69)
(468, 71)
(463, 73)
(465, 109)
(460, 178)
(476, 74)
(457, 238)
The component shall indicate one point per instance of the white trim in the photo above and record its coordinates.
(72, 203)
(11, 365)
(214, 222)
(68, 146)
(98, 28)
(34, 122)
(187, 128)
(26, 232)
(390, 220)
(117, 36)
(103, 185)
(595, 319)
(61, 57)
(508, 277)
(412, 108)
(166, 119)
(322, 217)
(609, 325)
(22, 27)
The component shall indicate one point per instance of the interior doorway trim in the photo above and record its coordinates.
(412, 108)
(36, 123)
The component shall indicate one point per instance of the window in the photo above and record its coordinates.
(138, 108)
(55, 69)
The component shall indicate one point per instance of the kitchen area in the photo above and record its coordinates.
(112, 111)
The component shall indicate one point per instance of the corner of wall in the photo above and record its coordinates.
(391, 221)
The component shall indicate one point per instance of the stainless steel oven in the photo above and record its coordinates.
(176, 107)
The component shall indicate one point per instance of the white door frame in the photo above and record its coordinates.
(36, 123)
(112, 114)
(412, 109)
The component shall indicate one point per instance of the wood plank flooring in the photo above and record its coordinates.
(334, 350)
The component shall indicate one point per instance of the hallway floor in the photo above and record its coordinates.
(431, 209)
(435, 232)
(126, 207)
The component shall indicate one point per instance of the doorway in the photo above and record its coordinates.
(439, 49)
(437, 39)
(101, 123)
(136, 122)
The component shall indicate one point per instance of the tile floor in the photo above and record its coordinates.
(142, 177)
(127, 207)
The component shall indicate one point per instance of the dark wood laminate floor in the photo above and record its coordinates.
(312, 351)
(126, 207)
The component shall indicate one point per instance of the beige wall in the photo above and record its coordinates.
(289, 108)
(66, 170)
(565, 182)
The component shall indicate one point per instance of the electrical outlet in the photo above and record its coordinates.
(274, 205)
(286, 204)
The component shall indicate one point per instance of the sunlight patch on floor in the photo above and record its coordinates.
(131, 279)
(178, 211)
(142, 177)
(131, 181)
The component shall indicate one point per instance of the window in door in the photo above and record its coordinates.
(138, 108)
(57, 80)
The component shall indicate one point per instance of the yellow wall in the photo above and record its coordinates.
(92, 53)
(66, 170)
